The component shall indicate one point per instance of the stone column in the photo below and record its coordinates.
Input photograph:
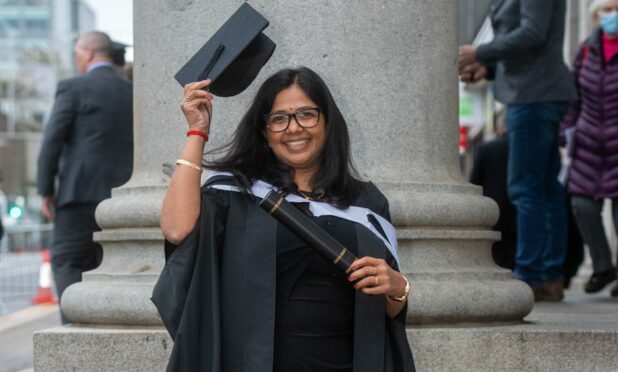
(391, 66)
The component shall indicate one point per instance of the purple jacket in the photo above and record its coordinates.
(594, 166)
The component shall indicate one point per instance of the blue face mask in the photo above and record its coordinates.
(609, 23)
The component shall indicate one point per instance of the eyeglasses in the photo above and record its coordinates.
(307, 117)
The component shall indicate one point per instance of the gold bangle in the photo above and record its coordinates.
(189, 164)
(406, 291)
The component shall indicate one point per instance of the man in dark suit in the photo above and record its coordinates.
(531, 78)
(88, 146)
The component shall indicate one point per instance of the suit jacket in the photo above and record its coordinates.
(216, 293)
(527, 52)
(88, 141)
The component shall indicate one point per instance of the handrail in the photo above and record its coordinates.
(29, 228)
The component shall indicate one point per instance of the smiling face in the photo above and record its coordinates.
(297, 147)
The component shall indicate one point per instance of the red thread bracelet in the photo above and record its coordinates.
(200, 133)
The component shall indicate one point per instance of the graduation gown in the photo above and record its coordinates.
(216, 293)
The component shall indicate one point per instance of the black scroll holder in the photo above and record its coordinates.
(312, 234)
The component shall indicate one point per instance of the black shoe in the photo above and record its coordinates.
(614, 292)
(598, 281)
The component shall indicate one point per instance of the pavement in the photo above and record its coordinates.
(578, 310)
(16, 331)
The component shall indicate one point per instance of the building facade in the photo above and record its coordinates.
(36, 50)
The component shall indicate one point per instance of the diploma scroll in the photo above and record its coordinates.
(301, 225)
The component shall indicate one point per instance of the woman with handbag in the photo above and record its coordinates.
(240, 291)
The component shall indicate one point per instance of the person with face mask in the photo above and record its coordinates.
(593, 119)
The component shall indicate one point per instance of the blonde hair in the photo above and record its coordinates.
(593, 11)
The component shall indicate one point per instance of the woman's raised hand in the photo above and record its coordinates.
(197, 105)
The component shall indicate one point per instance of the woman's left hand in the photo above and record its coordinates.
(374, 276)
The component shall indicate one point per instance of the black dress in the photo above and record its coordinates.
(221, 300)
(314, 316)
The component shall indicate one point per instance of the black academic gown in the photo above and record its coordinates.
(216, 293)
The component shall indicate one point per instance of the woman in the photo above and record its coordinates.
(257, 298)
(594, 120)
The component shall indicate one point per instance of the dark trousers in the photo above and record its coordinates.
(533, 187)
(587, 213)
(575, 247)
(503, 251)
(72, 249)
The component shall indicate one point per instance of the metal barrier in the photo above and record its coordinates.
(20, 263)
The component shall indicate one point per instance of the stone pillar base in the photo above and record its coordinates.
(514, 348)
(101, 349)
(529, 347)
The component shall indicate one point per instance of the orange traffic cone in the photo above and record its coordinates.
(45, 293)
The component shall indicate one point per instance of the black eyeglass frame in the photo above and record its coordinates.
(290, 115)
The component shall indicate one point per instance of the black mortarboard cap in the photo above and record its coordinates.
(233, 56)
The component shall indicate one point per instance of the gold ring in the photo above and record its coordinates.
(187, 98)
(377, 281)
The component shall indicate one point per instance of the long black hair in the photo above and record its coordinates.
(249, 157)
